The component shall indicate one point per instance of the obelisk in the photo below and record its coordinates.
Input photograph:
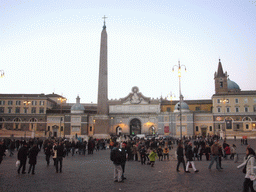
(102, 119)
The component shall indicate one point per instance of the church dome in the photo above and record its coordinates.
(232, 85)
(77, 108)
(184, 106)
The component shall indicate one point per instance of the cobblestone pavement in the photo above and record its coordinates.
(95, 173)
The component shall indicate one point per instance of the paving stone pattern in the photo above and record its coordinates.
(95, 173)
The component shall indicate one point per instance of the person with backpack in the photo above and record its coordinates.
(116, 157)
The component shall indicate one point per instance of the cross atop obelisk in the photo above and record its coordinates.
(104, 26)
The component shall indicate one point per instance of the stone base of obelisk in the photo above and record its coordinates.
(101, 129)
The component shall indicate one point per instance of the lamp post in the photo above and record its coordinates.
(179, 107)
(27, 102)
(61, 99)
(1, 73)
(224, 101)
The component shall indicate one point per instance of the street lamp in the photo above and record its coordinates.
(225, 126)
(1, 73)
(179, 108)
(61, 99)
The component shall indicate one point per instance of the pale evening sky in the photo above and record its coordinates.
(53, 46)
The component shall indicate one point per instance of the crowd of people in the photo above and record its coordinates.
(145, 151)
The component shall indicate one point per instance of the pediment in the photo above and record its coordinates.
(135, 97)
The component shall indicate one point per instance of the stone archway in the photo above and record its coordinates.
(135, 126)
(118, 130)
(152, 130)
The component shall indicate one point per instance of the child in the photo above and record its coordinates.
(152, 157)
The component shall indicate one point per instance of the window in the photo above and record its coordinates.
(61, 128)
(9, 102)
(245, 100)
(228, 109)
(33, 110)
(17, 110)
(1, 109)
(210, 128)
(254, 100)
(218, 126)
(237, 109)
(221, 84)
(34, 102)
(218, 100)
(247, 126)
(41, 110)
(168, 109)
(90, 128)
(25, 110)
(196, 128)
(49, 128)
(218, 109)
(18, 102)
(236, 101)
(41, 103)
(197, 108)
(9, 110)
(245, 109)
(254, 108)
(237, 126)
(2, 102)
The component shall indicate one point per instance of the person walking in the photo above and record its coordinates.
(48, 152)
(22, 157)
(2, 151)
(180, 157)
(124, 157)
(249, 164)
(189, 156)
(32, 155)
(116, 157)
(60, 154)
(214, 155)
(143, 155)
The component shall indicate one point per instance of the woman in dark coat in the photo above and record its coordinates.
(32, 155)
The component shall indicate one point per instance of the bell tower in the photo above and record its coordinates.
(221, 84)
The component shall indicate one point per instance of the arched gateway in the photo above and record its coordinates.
(135, 127)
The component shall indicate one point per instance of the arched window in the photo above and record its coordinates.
(33, 124)
(2, 120)
(17, 123)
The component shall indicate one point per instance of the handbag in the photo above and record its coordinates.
(17, 163)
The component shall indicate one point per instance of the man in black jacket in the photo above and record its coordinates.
(124, 155)
(22, 156)
(116, 157)
(60, 155)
